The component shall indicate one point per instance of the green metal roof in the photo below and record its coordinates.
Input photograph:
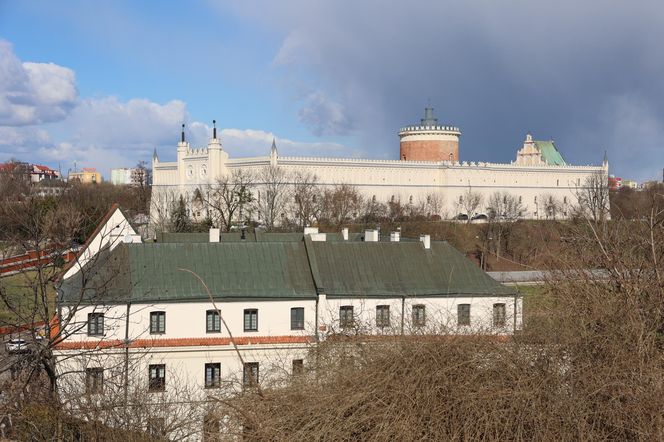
(286, 269)
(550, 153)
(382, 269)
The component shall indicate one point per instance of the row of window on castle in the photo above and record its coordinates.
(347, 318)
(94, 377)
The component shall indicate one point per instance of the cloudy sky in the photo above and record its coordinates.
(102, 83)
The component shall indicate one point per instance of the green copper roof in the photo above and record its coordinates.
(396, 268)
(287, 269)
(550, 153)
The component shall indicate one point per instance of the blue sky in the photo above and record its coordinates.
(103, 83)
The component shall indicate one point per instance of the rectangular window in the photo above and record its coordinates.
(298, 366)
(212, 375)
(419, 315)
(157, 322)
(212, 321)
(346, 318)
(250, 374)
(157, 377)
(463, 314)
(251, 319)
(382, 316)
(95, 324)
(499, 315)
(297, 318)
(94, 380)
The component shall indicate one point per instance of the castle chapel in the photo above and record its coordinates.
(428, 167)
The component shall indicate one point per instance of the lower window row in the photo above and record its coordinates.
(94, 377)
(347, 316)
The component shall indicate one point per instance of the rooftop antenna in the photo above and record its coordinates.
(214, 129)
(182, 136)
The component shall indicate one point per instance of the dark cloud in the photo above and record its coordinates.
(588, 74)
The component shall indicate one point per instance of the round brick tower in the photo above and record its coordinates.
(429, 141)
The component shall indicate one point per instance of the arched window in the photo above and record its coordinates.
(373, 199)
(392, 199)
(410, 199)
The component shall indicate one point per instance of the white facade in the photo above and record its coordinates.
(121, 176)
(126, 341)
(530, 178)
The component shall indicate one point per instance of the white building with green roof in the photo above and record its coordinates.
(204, 313)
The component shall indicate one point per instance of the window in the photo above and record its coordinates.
(382, 316)
(463, 314)
(157, 377)
(519, 199)
(212, 321)
(251, 319)
(499, 315)
(298, 366)
(346, 316)
(212, 375)
(410, 199)
(297, 318)
(95, 324)
(157, 322)
(419, 315)
(250, 374)
(94, 380)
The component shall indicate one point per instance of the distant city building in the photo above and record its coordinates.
(429, 168)
(88, 175)
(630, 183)
(130, 176)
(615, 182)
(33, 173)
(40, 173)
(121, 176)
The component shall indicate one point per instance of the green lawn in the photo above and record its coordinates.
(18, 301)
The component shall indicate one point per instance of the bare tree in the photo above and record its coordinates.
(341, 204)
(593, 198)
(469, 202)
(273, 194)
(504, 209)
(229, 198)
(307, 198)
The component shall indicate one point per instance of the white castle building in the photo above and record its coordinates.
(429, 166)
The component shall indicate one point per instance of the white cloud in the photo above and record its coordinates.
(33, 93)
(256, 142)
(137, 123)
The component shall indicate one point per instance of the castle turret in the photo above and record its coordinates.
(429, 141)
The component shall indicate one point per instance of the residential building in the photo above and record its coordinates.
(121, 176)
(41, 173)
(87, 175)
(201, 310)
(429, 166)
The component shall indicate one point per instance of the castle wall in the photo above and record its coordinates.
(386, 180)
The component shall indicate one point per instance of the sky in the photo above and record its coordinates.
(102, 84)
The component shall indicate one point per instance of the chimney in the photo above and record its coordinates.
(371, 236)
(344, 233)
(214, 235)
(318, 237)
(395, 236)
(426, 239)
(310, 230)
